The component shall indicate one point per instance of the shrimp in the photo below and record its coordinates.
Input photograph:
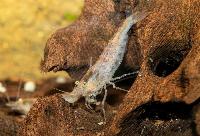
(101, 73)
(21, 105)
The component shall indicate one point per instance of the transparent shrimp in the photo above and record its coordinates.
(22, 105)
(101, 73)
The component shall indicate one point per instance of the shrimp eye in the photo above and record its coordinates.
(77, 82)
(84, 84)
(92, 97)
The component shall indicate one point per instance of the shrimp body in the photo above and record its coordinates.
(101, 73)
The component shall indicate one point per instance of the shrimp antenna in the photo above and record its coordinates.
(19, 88)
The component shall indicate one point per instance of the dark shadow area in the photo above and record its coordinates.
(167, 58)
(159, 119)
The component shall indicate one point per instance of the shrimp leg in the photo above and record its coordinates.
(118, 88)
(124, 75)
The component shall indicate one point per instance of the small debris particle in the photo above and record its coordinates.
(151, 60)
(61, 80)
(80, 128)
(158, 122)
(100, 134)
(100, 123)
(30, 86)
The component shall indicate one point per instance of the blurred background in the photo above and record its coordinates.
(25, 26)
